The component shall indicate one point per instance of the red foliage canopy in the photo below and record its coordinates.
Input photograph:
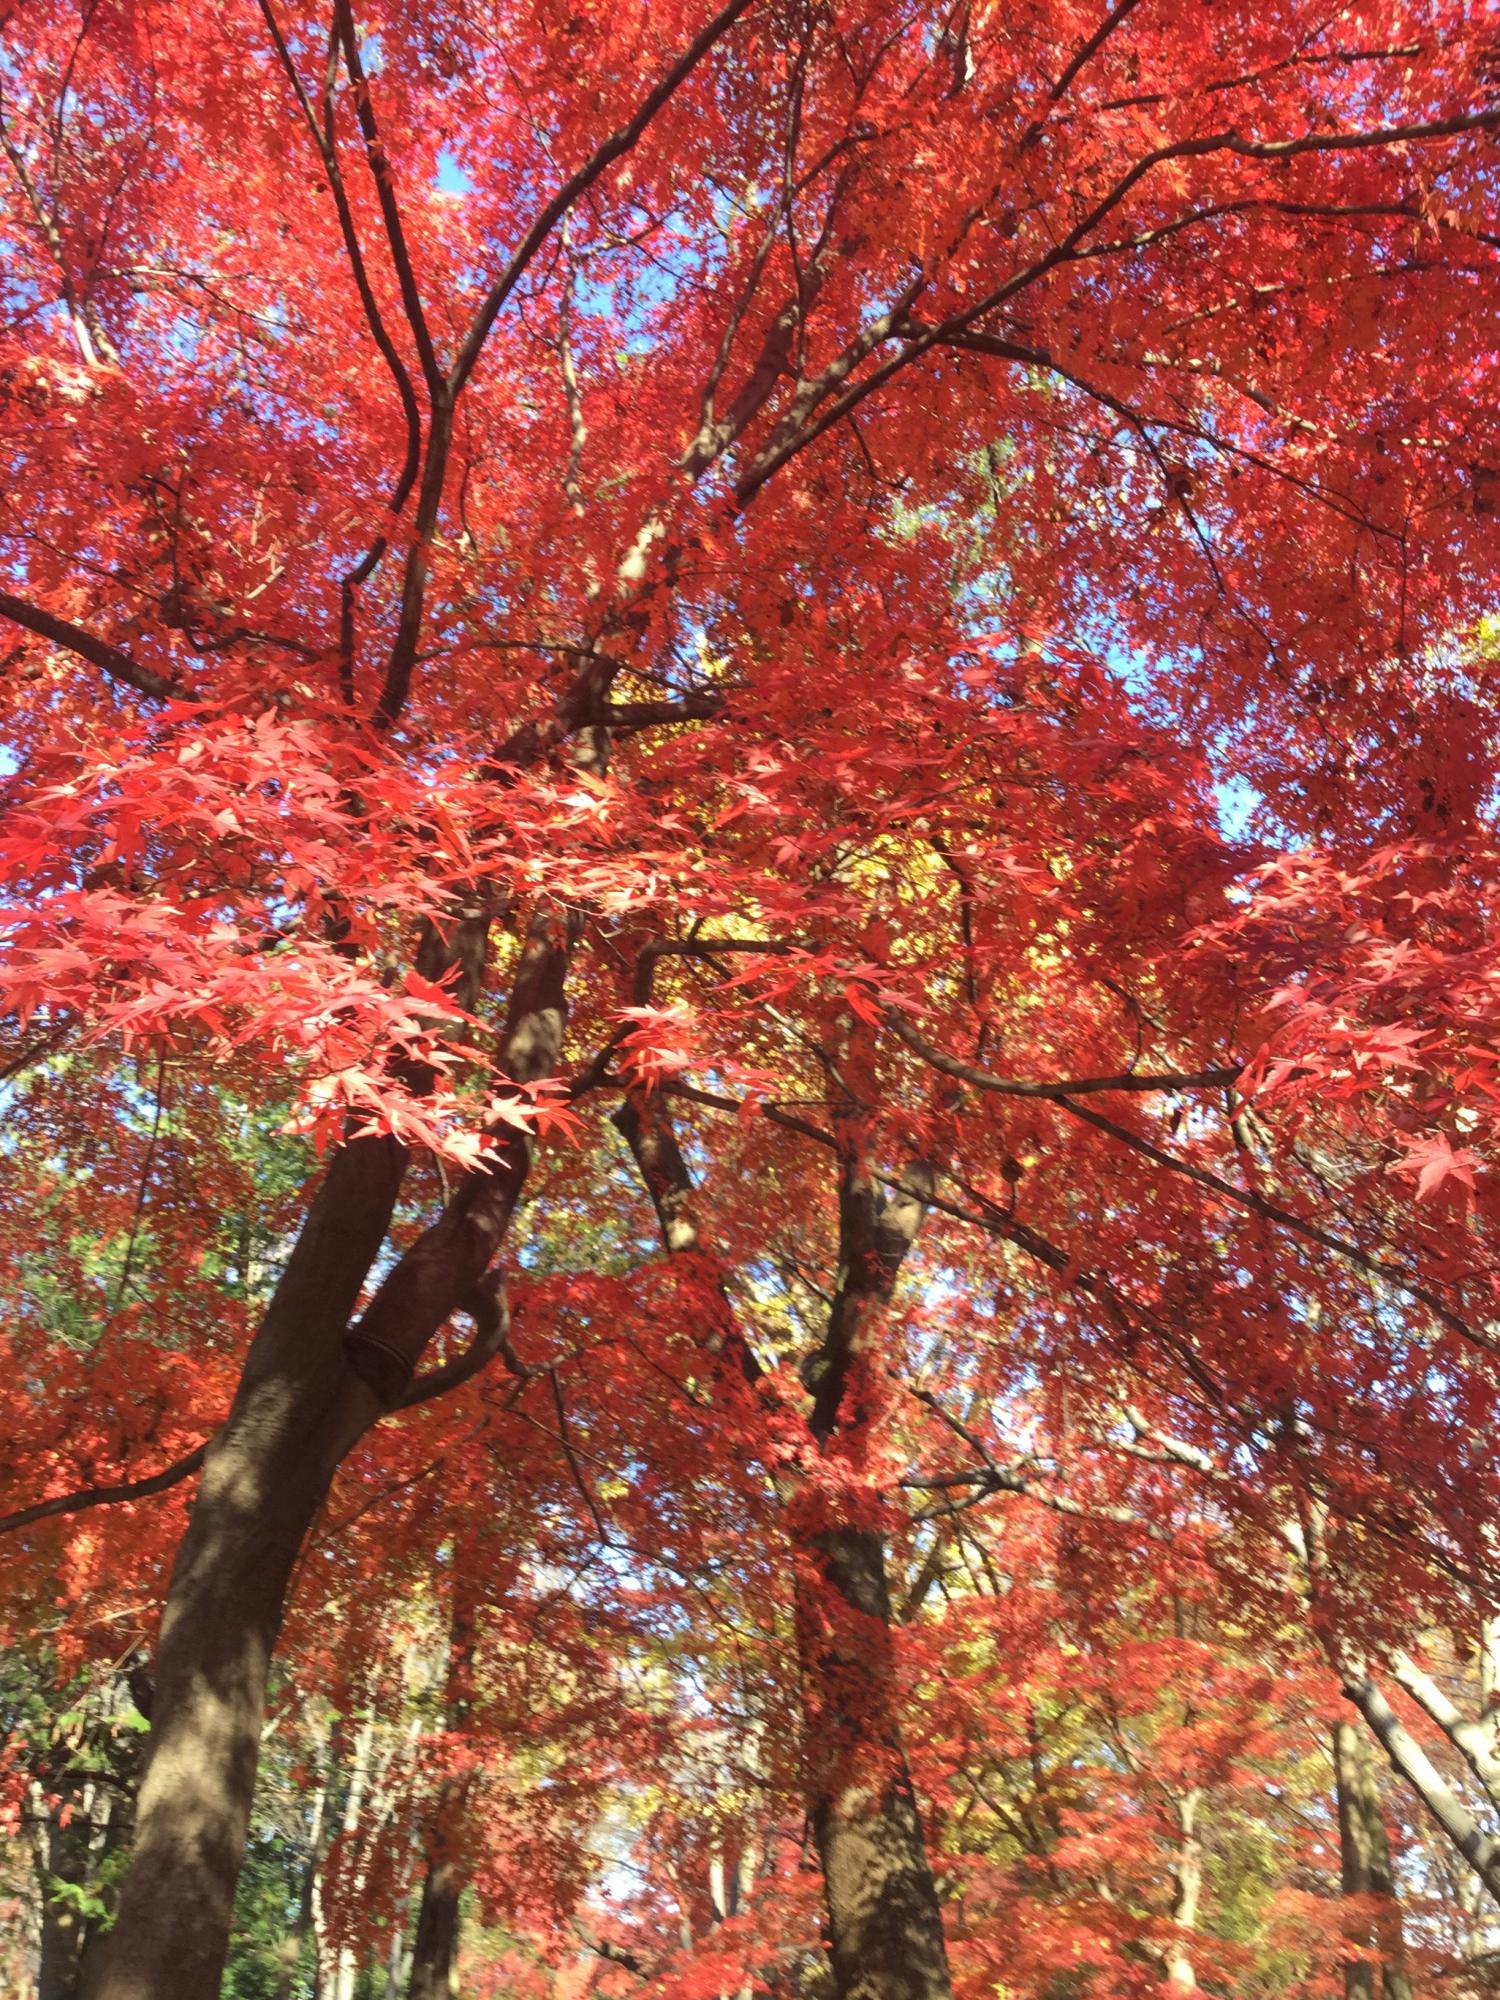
(898, 592)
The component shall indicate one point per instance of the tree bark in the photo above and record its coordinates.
(1410, 1761)
(303, 1924)
(1187, 1870)
(96, 1943)
(298, 1409)
(363, 1777)
(885, 1927)
(1365, 1867)
(1474, 1740)
(311, 1386)
(434, 1962)
(64, 1926)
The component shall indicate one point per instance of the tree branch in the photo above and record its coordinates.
(111, 660)
(1273, 1212)
(107, 1496)
(489, 1308)
(803, 428)
(627, 715)
(617, 144)
(323, 139)
(1091, 47)
(1411, 1762)
(1203, 1079)
(1474, 1741)
(385, 190)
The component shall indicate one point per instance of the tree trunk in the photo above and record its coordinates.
(298, 1409)
(885, 1925)
(1188, 1894)
(1365, 1867)
(885, 1928)
(362, 1778)
(312, 1385)
(397, 1964)
(64, 1926)
(302, 1925)
(435, 1949)
(111, 1837)
(434, 1960)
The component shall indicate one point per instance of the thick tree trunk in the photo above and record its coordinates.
(312, 1385)
(263, 1486)
(298, 1409)
(885, 1928)
(434, 1958)
(1365, 1867)
(1411, 1763)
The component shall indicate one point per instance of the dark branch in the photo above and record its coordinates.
(806, 426)
(111, 660)
(1091, 47)
(612, 149)
(489, 1308)
(106, 1496)
(385, 190)
(1077, 1086)
(1273, 1212)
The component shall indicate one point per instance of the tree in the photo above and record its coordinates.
(954, 541)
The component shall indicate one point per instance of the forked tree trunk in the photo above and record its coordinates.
(311, 1386)
(1365, 1868)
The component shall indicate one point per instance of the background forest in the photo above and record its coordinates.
(749, 1000)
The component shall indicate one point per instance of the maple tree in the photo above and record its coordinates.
(855, 634)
